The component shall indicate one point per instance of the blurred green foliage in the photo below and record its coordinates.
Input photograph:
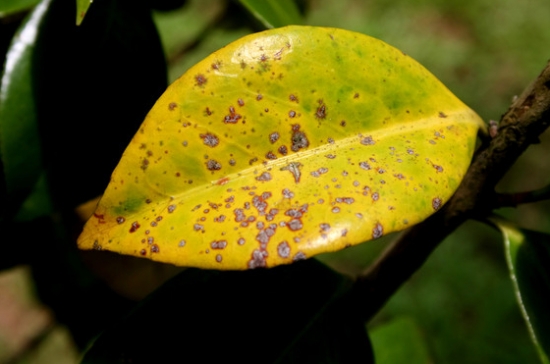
(486, 52)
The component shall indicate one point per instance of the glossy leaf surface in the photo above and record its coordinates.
(19, 137)
(528, 258)
(283, 145)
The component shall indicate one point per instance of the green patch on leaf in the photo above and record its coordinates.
(283, 145)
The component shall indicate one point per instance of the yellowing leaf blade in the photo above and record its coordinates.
(283, 145)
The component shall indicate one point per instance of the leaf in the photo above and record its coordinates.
(37, 204)
(274, 13)
(528, 258)
(8, 7)
(291, 314)
(283, 145)
(82, 7)
(399, 341)
(19, 138)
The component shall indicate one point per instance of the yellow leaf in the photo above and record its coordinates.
(283, 145)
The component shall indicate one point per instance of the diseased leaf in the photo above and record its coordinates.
(528, 258)
(273, 13)
(283, 145)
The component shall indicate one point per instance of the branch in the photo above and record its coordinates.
(514, 199)
(520, 126)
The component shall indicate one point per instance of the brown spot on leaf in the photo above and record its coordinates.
(288, 193)
(346, 200)
(325, 227)
(257, 260)
(368, 140)
(442, 114)
(144, 163)
(364, 165)
(283, 249)
(210, 139)
(270, 155)
(264, 177)
(321, 112)
(135, 225)
(295, 224)
(378, 231)
(172, 106)
(218, 244)
(273, 137)
(436, 203)
(213, 165)
(299, 139)
(233, 117)
(222, 181)
(294, 168)
(200, 79)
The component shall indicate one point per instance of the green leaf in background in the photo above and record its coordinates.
(8, 7)
(297, 313)
(85, 118)
(37, 203)
(82, 7)
(274, 13)
(528, 258)
(399, 341)
(19, 137)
